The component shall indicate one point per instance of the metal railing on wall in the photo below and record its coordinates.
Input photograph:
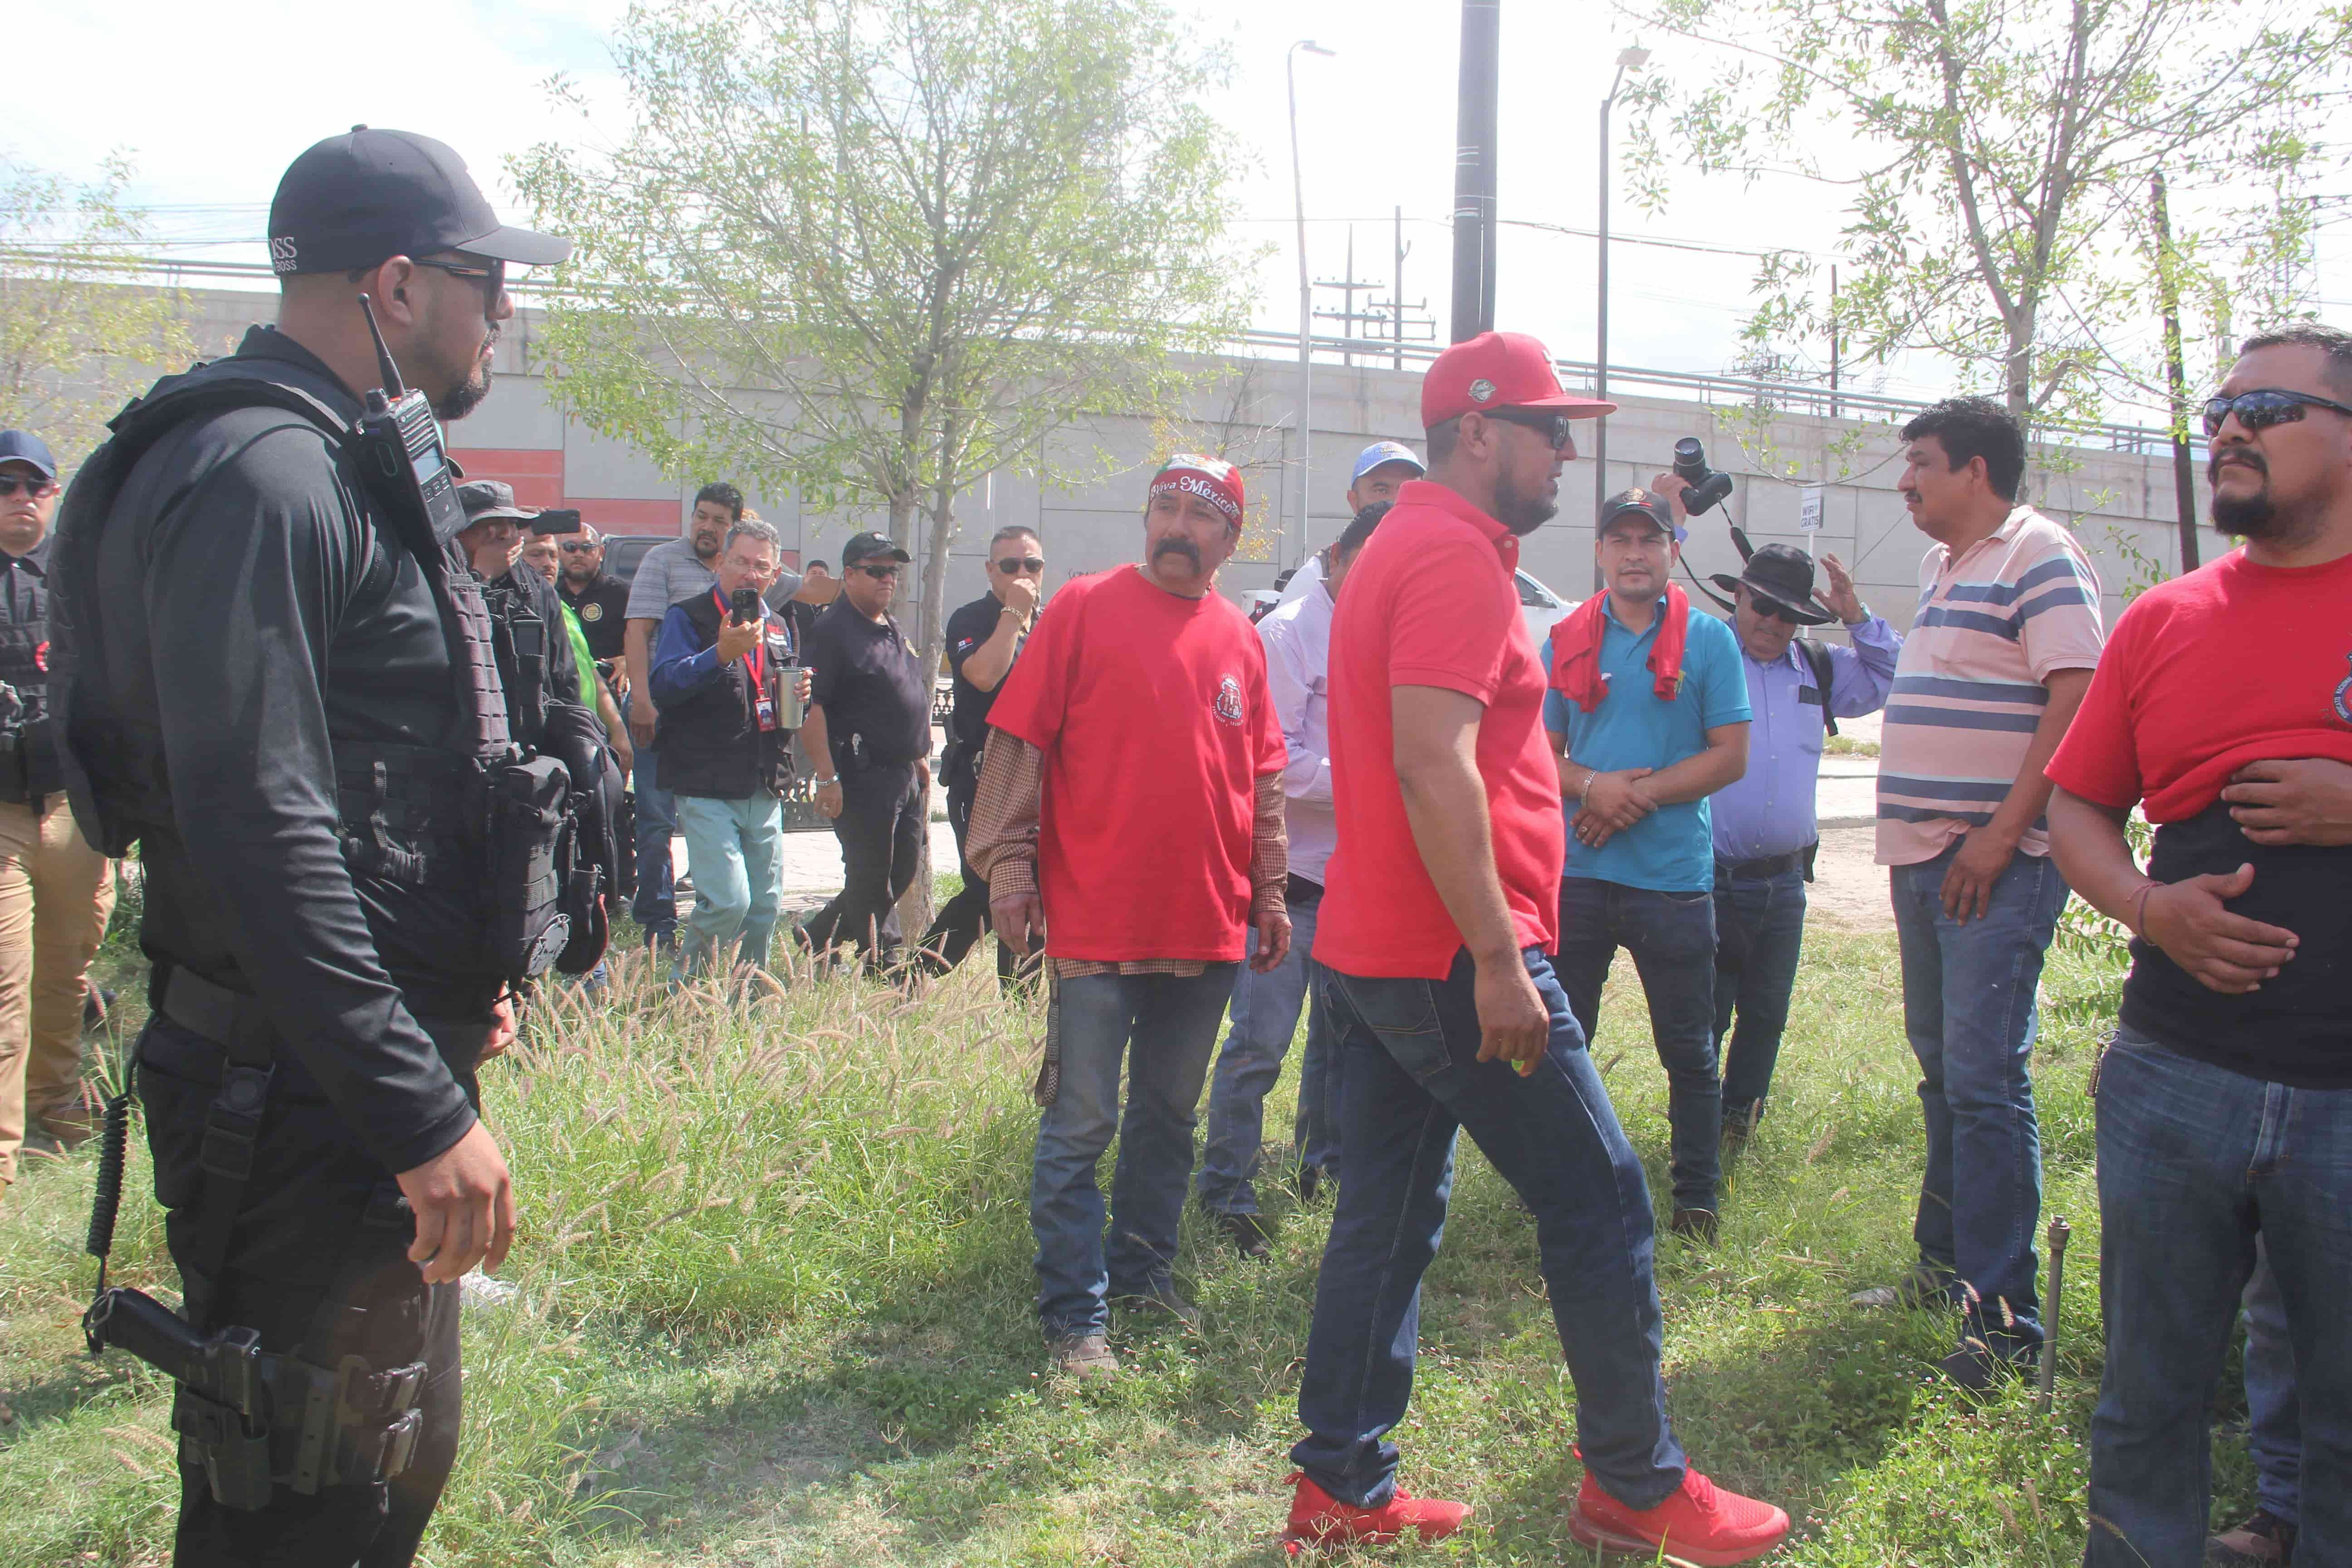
(1811, 399)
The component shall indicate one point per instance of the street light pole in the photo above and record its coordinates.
(1627, 61)
(1305, 297)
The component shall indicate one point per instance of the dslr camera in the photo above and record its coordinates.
(1708, 486)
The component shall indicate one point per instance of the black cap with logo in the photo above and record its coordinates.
(365, 196)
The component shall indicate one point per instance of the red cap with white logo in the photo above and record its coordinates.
(1498, 370)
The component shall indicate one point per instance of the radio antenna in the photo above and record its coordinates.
(392, 386)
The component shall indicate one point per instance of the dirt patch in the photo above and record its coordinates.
(1849, 892)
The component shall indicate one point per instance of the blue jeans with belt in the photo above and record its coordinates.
(2195, 1162)
(1759, 925)
(1970, 1010)
(1410, 1080)
(1672, 939)
(1162, 1026)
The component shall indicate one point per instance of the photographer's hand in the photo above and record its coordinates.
(1672, 485)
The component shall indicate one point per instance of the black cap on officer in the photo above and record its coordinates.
(871, 547)
(365, 196)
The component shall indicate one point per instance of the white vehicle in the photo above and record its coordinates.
(1541, 607)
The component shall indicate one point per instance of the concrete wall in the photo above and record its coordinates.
(2116, 502)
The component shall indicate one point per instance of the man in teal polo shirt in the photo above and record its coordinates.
(1649, 710)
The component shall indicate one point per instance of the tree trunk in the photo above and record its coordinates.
(916, 906)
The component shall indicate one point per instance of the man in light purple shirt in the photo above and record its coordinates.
(1764, 831)
(1298, 638)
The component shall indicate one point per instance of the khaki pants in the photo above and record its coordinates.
(56, 893)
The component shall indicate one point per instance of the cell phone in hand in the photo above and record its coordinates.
(746, 608)
(557, 520)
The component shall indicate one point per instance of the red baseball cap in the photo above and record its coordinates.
(1213, 481)
(1498, 370)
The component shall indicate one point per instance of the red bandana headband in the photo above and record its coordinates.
(1189, 473)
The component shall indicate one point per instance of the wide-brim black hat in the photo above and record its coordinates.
(1780, 574)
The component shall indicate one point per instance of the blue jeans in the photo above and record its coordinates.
(1759, 925)
(655, 909)
(1672, 939)
(2273, 1416)
(2195, 1162)
(736, 850)
(1265, 1017)
(1409, 1080)
(1171, 1022)
(1970, 1013)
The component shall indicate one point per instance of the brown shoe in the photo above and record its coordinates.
(2264, 1540)
(1082, 1355)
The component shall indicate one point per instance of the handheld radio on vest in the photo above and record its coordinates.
(400, 445)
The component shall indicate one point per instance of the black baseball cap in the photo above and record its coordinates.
(367, 195)
(1646, 503)
(870, 547)
(23, 446)
(485, 498)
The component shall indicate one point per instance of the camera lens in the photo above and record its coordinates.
(1688, 450)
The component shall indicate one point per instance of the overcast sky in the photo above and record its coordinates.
(210, 114)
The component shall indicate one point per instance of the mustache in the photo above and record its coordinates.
(1174, 546)
(2231, 459)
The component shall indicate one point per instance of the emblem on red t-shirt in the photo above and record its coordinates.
(2344, 697)
(1229, 701)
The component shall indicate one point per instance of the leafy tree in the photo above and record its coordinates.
(75, 343)
(2000, 155)
(871, 249)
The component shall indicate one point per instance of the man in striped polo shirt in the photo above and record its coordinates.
(1996, 663)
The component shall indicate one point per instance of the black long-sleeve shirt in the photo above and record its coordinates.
(266, 620)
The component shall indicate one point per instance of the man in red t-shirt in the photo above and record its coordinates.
(2224, 1101)
(1436, 923)
(1129, 811)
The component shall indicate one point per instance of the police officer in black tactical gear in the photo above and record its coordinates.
(282, 684)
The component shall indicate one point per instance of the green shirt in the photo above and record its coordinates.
(582, 660)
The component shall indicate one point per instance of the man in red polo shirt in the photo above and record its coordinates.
(1436, 923)
(1129, 810)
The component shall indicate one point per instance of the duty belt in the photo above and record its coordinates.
(412, 815)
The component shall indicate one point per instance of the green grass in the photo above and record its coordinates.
(776, 1310)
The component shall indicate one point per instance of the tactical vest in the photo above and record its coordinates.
(520, 640)
(471, 813)
(29, 763)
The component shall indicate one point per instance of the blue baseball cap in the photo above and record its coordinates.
(23, 446)
(1380, 452)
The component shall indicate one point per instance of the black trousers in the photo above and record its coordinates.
(881, 829)
(963, 919)
(318, 1265)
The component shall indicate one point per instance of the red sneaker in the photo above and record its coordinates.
(1316, 1515)
(1698, 1527)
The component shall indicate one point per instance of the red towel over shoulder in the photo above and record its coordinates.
(1576, 650)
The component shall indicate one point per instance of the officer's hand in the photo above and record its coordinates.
(1021, 597)
(502, 1028)
(736, 640)
(1272, 941)
(464, 1201)
(1017, 920)
(2190, 921)
(828, 799)
(642, 717)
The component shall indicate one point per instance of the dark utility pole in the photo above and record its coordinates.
(2176, 376)
(1473, 170)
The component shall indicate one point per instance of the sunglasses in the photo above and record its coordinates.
(1552, 426)
(879, 574)
(34, 488)
(1028, 564)
(494, 273)
(2261, 409)
(1771, 609)
(577, 548)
